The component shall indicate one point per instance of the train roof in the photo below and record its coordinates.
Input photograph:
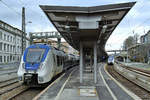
(57, 51)
(39, 46)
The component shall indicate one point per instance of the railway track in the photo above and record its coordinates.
(15, 90)
(131, 79)
(141, 78)
(31, 92)
(10, 89)
(137, 70)
(8, 82)
(8, 72)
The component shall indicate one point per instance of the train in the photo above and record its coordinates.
(41, 62)
(110, 60)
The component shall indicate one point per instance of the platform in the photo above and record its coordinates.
(144, 66)
(69, 87)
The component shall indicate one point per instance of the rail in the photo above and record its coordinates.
(138, 77)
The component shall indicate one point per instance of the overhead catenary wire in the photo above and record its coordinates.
(10, 8)
(141, 24)
(137, 26)
(28, 7)
(23, 4)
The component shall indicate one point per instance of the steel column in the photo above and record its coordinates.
(95, 62)
(91, 62)
(84, 65)
(81, 62)
(23, 37)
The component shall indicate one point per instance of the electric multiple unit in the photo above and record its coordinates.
(40, 63)
(110, 60)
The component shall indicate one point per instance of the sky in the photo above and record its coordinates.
(137, 19)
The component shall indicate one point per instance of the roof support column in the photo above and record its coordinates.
(95, 62)
(91, 65)
(81, 62)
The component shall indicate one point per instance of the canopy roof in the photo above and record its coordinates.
(87, 24)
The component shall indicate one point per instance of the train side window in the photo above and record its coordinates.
(58, 61)
(54, 58)
(61, 60)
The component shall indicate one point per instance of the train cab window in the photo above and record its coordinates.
(34, 55)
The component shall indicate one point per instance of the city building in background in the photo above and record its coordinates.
(141, 52)
(145, 38)
(10, 43)
(64, 46)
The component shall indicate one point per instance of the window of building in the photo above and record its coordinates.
(7, 58)
(11, 38)
(18, 48)
(8, 48)
(4, 47)
(1, 58)
(0, 46)
(0, 35)
(14, 39)
(4, 58)
(13, 58)
(18, 58)
(8, 38)
(4, 36)
(18, 41)
(10, 58)
(11, 48)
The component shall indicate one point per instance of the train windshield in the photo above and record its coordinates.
(35, 55)
(111, 58)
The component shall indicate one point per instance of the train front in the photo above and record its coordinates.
(32, 68)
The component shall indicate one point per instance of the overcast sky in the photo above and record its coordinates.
(138, 19)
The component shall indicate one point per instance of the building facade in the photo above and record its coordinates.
(64, 46)
(145, 38)
(141, 52)
(10, 43)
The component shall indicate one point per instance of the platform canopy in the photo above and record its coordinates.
(87, 24)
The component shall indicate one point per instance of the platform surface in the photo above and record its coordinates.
(144, 66)
(69, 87)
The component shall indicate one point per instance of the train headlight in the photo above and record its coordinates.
(23, 65)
